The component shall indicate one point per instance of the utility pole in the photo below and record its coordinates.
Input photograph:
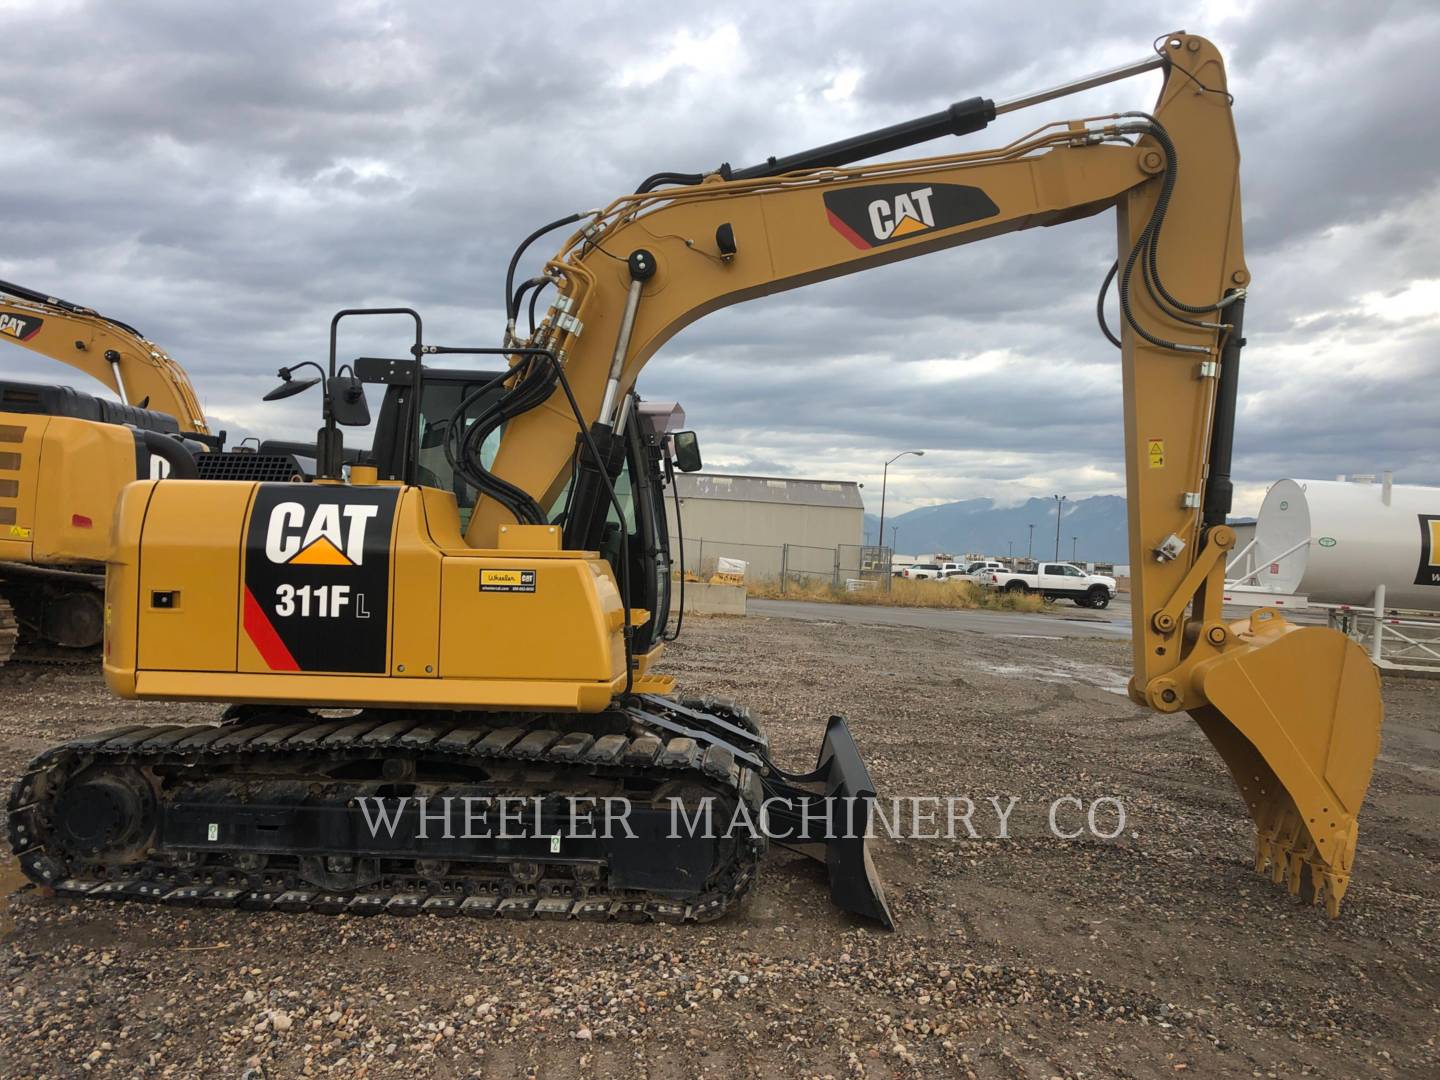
(1074, 547)
(1011, 545)
(1030, 547)
(1059, 513)
(894, 529)
(880, 534)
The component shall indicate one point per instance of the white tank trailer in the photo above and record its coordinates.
(1336, 540)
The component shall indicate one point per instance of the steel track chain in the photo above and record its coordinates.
(17, 647)
(56, 656)
(276, 736)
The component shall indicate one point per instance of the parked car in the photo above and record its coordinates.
(984, 566)
(931, 571)
(1056, 581)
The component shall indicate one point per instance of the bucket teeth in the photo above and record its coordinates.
(1300, 856)
(1334, 891)
(1286, 851)
(1287, 839)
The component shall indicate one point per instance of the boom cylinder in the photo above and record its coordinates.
(1219, 491)
(962, 118)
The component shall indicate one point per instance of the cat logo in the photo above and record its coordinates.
(877, 214)
(334, 535)
(909, 212)
(17, 326)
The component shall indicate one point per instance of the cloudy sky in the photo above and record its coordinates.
(225, 180)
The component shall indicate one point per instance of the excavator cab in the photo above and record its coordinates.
(635, 539)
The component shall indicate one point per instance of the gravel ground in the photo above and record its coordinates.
(1157, 953)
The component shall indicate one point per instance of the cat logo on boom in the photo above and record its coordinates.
(878, 214)
(18, 326)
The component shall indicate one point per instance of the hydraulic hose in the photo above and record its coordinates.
(510, 310)
(1100, 305)
(176, 454)
(652, 182)
(680, 537)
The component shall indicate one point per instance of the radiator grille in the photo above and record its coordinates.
(266, 468)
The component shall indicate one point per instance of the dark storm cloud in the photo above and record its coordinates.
(227, 178)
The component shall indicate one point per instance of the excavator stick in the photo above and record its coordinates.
(837, 797)
(1297, 720)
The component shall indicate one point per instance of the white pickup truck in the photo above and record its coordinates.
(1055, 581)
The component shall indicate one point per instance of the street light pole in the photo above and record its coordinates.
(1074, 547)
(884, 481)
(893, 530)
(1059, 513)
(1030, 547)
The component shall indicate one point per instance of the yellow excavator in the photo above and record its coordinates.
(490, 618)
(66, 455)
(140, 373)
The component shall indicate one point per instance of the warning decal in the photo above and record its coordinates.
(1155, 450)
(507, 581)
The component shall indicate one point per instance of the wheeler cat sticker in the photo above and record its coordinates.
(513, 581)
(317, 577)
(879, 214)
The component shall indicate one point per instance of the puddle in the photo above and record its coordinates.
(1063, 671)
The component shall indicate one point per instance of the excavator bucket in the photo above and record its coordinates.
(1297, 719)
(826, 814)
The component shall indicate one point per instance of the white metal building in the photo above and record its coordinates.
(810, 527)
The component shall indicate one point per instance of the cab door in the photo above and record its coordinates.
(1052, 577)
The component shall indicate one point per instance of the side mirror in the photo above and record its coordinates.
(687, 451)
(347, 401)
(289, 388)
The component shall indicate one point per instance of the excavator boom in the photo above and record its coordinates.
(1295, 712)
(107, 350)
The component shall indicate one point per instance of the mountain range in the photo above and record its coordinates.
(1093, 529)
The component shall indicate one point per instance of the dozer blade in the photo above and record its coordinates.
(1297, 719)
(826, 814)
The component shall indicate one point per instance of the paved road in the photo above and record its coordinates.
(1065, 621)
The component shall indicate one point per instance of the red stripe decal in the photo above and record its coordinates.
(264, 637)
(847, 232)
(32, 333)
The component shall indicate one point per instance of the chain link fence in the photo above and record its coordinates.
(841, 566)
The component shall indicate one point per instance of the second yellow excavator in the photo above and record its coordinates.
(66, 455)
(492, 620)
